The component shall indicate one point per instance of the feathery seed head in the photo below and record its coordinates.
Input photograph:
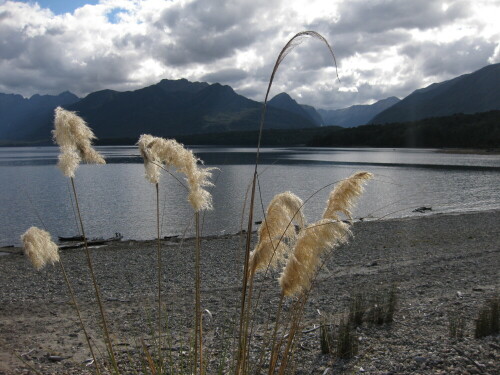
(283, 210)
(74, 138)
(343, 196)
(39, 248)
(313, 241)
(152, 163)
(159, 151)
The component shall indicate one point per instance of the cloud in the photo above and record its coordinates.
(451, 59)
(383, 47)
(225, 75)
(380, 16)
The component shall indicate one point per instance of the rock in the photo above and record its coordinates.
(420, 360)
(422, 209)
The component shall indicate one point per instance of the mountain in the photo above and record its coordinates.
(285, 102)
(356, 114)
(479, 130)
(171, 108)
(21, 117)
(313, 113)
(470, 93)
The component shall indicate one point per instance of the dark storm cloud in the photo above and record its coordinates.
(202, 32)
(11, 43)
(380, 16)
(5, 14)
(225, 76)
(451, 59)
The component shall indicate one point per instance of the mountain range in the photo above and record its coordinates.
(356, 114)
(180, 107)
(469, 93)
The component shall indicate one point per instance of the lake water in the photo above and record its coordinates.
(117, 198)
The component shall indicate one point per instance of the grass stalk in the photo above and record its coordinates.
(294, 41)
(198, 342)
(79, 315)
(275, 348)
(94, 282)
(159, 267)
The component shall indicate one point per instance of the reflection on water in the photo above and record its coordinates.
(117, 198)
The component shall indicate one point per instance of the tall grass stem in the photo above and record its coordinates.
(159, 265)
(78, 313)
(94, 282)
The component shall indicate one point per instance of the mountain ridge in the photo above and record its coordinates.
(356, 115)
(469, 93)
(181, 107)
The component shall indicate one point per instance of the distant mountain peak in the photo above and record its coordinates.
(356, 115)
(469, 93)
(287, 103)
(176, 85)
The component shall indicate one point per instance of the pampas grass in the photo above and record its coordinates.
(313, 241)
(74, 138)
(322, 235)
(283, 210)
(159, 152)
(40, 250)
(343, 196)
(39, 247)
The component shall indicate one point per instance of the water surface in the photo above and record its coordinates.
(117, 198)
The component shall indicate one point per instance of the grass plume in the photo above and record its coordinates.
(39, 247)
(74, 138)
(343, 196)
(283, 210)
(158, 152)
(313, 241)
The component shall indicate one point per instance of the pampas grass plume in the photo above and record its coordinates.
(39, 247)
(283, 210)
(160, 151)
(343, 196)
(151, 162)
(313, 241)
(74, 138)
(322, 236)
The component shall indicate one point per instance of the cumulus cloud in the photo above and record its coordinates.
(383, 47)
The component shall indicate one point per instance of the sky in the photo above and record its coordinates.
(382, 47)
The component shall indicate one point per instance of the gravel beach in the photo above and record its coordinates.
(441, 265)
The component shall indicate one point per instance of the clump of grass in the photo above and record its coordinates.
(382, 308)
(488, 320)
(326, 337)
(357, 310)
(347, 344)
(456, 325)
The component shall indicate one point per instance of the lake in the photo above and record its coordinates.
(117, 198)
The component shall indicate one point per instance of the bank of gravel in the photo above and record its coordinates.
(441, 264)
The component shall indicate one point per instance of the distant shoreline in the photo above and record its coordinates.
(444, 150)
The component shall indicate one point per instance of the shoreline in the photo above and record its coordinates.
(178, 238)
(440, 263)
